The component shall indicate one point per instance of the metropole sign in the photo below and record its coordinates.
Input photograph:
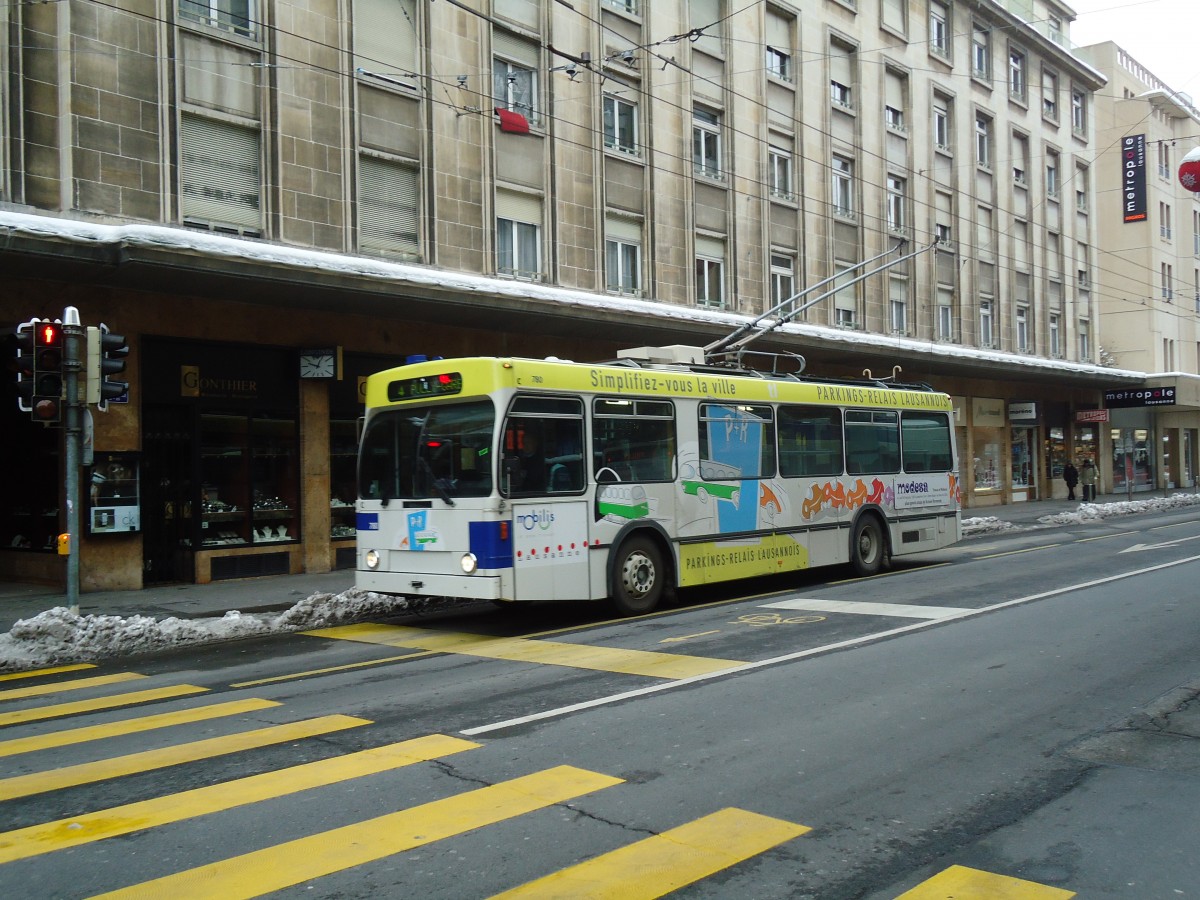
(1127, 398)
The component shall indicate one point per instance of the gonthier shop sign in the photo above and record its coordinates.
(1136, 397)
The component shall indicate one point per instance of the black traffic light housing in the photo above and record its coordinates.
(106, 354)
(40, 370)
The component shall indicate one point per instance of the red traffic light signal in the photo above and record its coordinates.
(40, 370)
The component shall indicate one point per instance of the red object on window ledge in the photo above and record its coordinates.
(512, 121)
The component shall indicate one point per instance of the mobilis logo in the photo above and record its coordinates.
(542, 519)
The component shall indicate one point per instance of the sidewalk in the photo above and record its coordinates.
(280, 592)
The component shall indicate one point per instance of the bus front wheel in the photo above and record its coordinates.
(868, 549)
(638, 577)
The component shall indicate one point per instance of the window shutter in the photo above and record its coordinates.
(385, 36)
(220, 172)
(779, 32)
(389, 206)
(518, 207)
(517, 49)
(710, 247)
(621, 228)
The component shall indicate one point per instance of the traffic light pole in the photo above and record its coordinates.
(73, 363)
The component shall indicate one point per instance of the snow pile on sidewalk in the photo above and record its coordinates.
(58, 635)
(1087, 512)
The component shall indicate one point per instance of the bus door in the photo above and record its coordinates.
(543, 473)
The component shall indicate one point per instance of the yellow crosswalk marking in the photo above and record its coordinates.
(148, 760)
(58, 687)
(37, 713)
(275, 868)
(962, 883)
(70, 736)
(35, 840)
(554, 653)
(37, 673)
(666, 862)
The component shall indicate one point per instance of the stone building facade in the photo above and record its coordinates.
(232, 183)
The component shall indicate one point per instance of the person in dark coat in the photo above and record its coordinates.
(1071, 477)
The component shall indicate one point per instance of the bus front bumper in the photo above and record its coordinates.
(423, 584)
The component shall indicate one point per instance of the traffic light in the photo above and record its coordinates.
(105, 357)
(40, 370)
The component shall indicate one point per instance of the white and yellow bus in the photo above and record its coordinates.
(519, 479)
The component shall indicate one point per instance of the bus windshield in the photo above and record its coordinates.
(427, 452)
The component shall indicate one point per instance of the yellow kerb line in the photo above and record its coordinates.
(665, 862)
(649, 663)
(331, 669)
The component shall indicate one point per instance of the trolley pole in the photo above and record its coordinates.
(73, 363)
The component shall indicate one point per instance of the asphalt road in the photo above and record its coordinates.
(1015, 713)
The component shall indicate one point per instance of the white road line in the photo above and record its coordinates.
(862, 608)
(813, 651)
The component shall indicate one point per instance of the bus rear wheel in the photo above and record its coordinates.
(868, 549)
(638, 577)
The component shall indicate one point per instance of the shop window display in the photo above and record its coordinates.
(249, 478)
(343, 459)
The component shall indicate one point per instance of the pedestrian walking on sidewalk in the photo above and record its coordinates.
(1071, 477)
(1088, 479)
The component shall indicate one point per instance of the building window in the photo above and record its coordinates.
(941, 124)
(620, 124)
(779, 63)
(623, 267)
(897, 190)
(945, 313)
(895, 99)
(845, 301)
(1079, 112)
(1195, 233)
(841, 74)
(1020, 159)
(783, 283)
(220, 175)
(1050, 95)
(1164, 160)
(627, 6)
(515, 87)
(1022, 329)
(1167, 273)
(1164, 220)
(840, 94)
(985, 323)
(710, 282)
(1055, 337)
(939, 30)
(898, 304)
(389, 207)
(1051, 174)
(981, 52)
(1085, 341)
(780, 164)
(843, 187)
(706, 143)
(228, 15)
(983, 140)
(1017, 80)
(518, 234)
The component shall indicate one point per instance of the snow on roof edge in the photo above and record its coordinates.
(166, 237)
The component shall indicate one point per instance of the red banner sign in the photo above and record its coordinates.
(1091, 415)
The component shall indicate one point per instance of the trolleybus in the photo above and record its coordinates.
(515, 480)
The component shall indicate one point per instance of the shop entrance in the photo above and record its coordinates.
(167, 441)
(1024, 464)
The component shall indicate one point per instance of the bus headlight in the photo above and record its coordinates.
(469, 563)
(371, 557)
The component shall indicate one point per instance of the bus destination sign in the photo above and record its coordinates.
(425, 386)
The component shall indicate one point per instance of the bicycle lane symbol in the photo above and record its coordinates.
(761, 620)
